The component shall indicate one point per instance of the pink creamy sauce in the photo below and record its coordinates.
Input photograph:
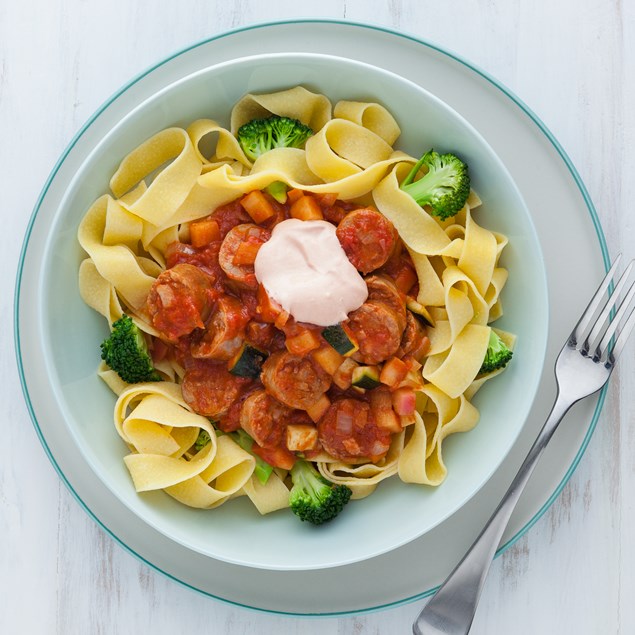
(304, 268)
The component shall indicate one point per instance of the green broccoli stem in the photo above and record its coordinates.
(263, 469)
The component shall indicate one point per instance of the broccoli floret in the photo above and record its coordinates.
(261, 135)
(312, 497)
(497, 354)
(202, 440)
(445, 187)
(126, 352)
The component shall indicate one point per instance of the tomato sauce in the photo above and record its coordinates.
(220, 324)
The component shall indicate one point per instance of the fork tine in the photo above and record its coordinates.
(593, 339)
(623, 336)
(579, 335)
(604, 348)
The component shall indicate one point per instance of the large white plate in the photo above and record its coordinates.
(568, 225)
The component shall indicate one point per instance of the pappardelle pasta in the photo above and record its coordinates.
(248, 391)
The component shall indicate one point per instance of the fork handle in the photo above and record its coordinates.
(451, 610)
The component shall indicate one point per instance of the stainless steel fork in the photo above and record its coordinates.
(582, 368)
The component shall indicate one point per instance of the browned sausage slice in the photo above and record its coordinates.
(383, 290)
(225, 330)
(415, 339)
(180, 301)
(210, 389)
(348, 432)
(238, 253)
(297, 382)
(264, 419)
(367, 237)
(378, 331)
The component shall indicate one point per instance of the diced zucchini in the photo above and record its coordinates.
(420, 311)
(366, 377)
(247, 362)
(340, 339)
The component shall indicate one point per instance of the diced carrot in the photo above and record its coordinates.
(303, 343)
(268, 310)
(328, 200)
(203, 232)
(306, 208)
(328, 358)
(393, 372)
(319, 408)
(278, 457)
(257, 206)
(246, 253)
(294, 195)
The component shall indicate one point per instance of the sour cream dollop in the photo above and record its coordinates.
(304, 269)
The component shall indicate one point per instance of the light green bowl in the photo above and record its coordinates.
(70, 332)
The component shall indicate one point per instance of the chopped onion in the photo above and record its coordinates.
(344, 423)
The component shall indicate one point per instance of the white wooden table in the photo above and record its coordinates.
(572, 61)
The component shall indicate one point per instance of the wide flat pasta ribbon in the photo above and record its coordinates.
(343, 148)
(117, 264)
(419, 230)
(453, 371)
(227, 149)
(427, 441)
(171, 185)
(228, 472)
(312, 109)
(479, 254)
(369, 115)
(270, 497)
(155, 422)
(363, 479)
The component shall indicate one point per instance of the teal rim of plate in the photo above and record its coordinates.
(494, 82)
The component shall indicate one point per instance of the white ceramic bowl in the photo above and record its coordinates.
(396, 513)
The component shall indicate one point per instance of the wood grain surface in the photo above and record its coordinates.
(571, 61)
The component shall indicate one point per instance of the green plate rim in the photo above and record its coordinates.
(261, 25)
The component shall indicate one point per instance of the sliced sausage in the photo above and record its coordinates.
(383, 290)
(415, 339)
(242, 239)
(297, 382)
(225, 331)
(229, 215)
(210, 389)
(264, 419)
(180, 301)
(348, 431)
(230, 421)
(378, 331)
(367, 237)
